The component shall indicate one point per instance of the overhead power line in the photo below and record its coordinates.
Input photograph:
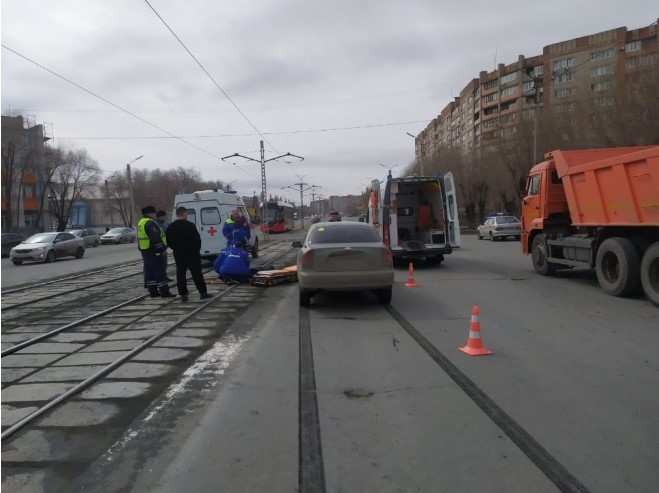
(208, 74)
(170, 135)
(282, 132)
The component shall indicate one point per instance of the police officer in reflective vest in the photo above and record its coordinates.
(152, 245)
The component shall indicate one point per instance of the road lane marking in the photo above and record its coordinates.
(311, 472)
(547, 463)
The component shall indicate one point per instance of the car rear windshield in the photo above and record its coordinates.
(507, 220)
(343, 234)
(117, 230)
(43, 238)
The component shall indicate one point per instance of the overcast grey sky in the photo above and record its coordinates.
(289, 64)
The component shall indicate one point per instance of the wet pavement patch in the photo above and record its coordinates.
(31, 392)
(192, 332)
(75, 337)
(23, 360)
(179, 342)
(357, 393)
(50, 348)
(141, 370)
(64, 373)
(11, 374)
(79, 413)
(12, 414)
(131, 335)
(110, 346)
(116, 390)
(90, 358)
(161, 354)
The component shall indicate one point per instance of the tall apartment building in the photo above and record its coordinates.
(595, 69)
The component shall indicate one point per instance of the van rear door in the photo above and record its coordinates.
(209, 224)
(452, 211)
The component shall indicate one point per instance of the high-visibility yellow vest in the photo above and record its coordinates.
(143, 241)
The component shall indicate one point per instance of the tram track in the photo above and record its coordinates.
(117, 334)
(311, 474)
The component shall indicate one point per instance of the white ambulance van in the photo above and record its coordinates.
(417, 216)
(208, 210)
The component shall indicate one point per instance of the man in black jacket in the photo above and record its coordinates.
(183, 238)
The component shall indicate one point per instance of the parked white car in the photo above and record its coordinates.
(500, 226)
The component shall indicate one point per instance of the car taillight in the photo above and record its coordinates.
(307, 259)
(387, 257)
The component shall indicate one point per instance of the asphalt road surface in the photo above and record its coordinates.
(351, 397)
(13, 275)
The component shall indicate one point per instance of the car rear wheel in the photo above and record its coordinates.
(17, 262)
(618, 267)
(650, 273)
(80, 252)
(50, 257)
(384, 295)
(305, 297)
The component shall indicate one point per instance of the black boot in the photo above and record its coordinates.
(204, 296)
(165, 293)
(153, 291)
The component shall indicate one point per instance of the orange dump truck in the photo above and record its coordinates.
(596, 208)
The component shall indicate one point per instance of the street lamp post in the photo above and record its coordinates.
(421, 170)
(131, 192)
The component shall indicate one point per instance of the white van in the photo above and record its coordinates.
(208, 210)
(416, 215)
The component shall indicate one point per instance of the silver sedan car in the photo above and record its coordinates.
(500, 227)
(118, 235)
(47, 247)
(344, 256)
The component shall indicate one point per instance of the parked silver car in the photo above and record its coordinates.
(344, 256)
(500, 226)
(47, 247)
(119, 235)
(89, 236)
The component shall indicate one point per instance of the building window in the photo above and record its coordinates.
(489, 124)
(538, 70)
(564, 92)
(509, 91)
(506, 106)
(528, 86)
(491, 97)
(564, 63)
(602, 86)
(605, 101)
(490, 111)
(603, 54)
(640, 61)
(491, 84)
(602, 71)
(563, 76)
(633, 46)
(509, 78)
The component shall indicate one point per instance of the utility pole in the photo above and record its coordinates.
(301, 187)
(313, 196)
(262, 162)
(131, 193)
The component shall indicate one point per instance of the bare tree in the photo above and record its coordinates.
(53, 159)
(77, 174)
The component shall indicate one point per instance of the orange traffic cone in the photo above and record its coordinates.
(474, 346)
(411, 283)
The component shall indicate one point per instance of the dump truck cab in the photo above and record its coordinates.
(544, 203)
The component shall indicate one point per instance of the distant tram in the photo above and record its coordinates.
(278, 217)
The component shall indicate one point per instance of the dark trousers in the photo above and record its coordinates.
(154, 270)
(193, 264)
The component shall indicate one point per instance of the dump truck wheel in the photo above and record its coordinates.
(618, 267)
(650, 273)
(539, 256)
